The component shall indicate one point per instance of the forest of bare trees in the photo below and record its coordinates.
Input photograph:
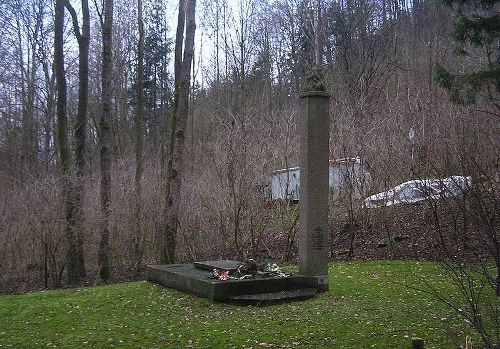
(128, 137)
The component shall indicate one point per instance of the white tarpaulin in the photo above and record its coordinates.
(418, 190)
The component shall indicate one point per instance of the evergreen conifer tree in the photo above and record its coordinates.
(476, 28)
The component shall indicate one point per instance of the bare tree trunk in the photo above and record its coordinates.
(139, 133)
(317, 16)
(217, 29)
(62, 131)
(80, 129)
(104, 258)
(28, 75)
(179, 120)
(49, 111)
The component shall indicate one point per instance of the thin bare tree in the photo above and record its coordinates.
(80, 128)
(186, 19)
(139, 134)
(104, 258)
(62, 136)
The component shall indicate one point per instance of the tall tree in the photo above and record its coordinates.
(104, 258)
(477, 27)
(182, 65)
(139, 134)
(50, 101)
(80, 128)
(157, 93)
(28, 17)
(62, 136)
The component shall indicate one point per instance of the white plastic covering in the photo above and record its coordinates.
(419, 190)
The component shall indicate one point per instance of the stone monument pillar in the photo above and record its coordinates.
(314, 236)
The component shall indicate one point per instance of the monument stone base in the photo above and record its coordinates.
(193, 278)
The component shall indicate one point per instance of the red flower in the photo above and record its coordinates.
(223, 274)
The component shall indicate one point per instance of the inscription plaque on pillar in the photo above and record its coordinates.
(317, 239)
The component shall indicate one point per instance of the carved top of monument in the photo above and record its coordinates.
(315, 82)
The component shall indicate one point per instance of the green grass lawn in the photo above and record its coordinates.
(368, 306)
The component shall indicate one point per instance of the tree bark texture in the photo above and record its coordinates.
(80, 127)
(139, 129)
(64, 152)
(28, 154)
(104, 258)
(179, 120)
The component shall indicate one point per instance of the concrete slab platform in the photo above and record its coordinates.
(187, 278)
